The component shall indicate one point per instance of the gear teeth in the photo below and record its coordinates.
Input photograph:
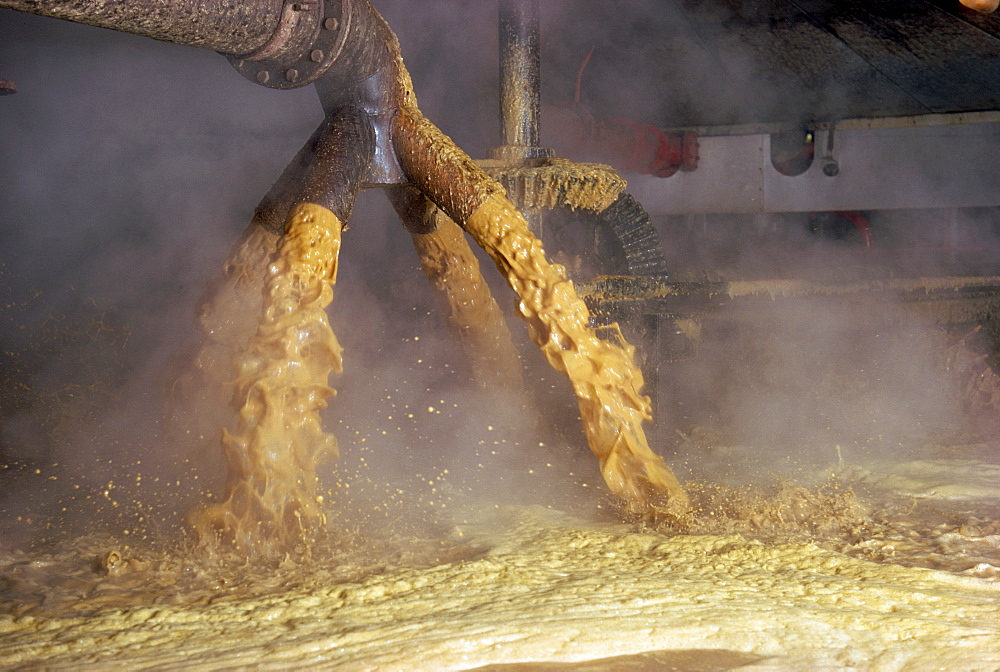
(558, 183)
(637, 235)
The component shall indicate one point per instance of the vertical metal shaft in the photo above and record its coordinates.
(520, 81)
(520, 89)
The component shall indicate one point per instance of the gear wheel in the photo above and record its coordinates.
(593, 227)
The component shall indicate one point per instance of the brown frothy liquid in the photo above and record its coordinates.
(227, 318)
(605, 378)
(448, 261)
(270, 503)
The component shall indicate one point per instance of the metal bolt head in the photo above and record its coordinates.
(331, 23)
(263, 77)
(292, 75)
(316, 55)
(831, 168)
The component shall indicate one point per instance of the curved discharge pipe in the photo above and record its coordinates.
(328, 170)
(352, 55)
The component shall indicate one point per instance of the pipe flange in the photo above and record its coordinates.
(308, 39)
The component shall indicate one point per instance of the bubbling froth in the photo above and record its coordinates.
(605, 377)
(270, 504)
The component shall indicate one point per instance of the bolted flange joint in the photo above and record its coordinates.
(307, 41)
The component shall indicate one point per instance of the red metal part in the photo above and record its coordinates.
(647, 149)
(624, 143)
(861, 223)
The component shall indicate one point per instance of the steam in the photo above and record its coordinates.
(127, 201)
(130, 167)
(796, 383)
(407, 409)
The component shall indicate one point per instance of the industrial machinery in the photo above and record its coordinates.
(374, 135)
(800, 78)
(341, 48)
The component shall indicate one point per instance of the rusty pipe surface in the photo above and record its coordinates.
(438, 167)
(281, 44)
(226, 26)
(329, 170)
(367, 74)
(344, 46)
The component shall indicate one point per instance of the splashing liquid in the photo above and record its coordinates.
(228, 315)
(605, 378)
(449, 263)
(270, 503)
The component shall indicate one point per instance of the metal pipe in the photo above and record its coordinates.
(329, 170)
(520, 80)
(438, 167)
(366, 74)
(519, 72)
(222, 25)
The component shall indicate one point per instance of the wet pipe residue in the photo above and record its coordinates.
(271, 503)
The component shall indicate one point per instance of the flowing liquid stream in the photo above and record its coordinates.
(498, 587)
(271, 503)
(839, 582)
(527, 585)
(604, 375)
(815, 577)
(452, 268)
